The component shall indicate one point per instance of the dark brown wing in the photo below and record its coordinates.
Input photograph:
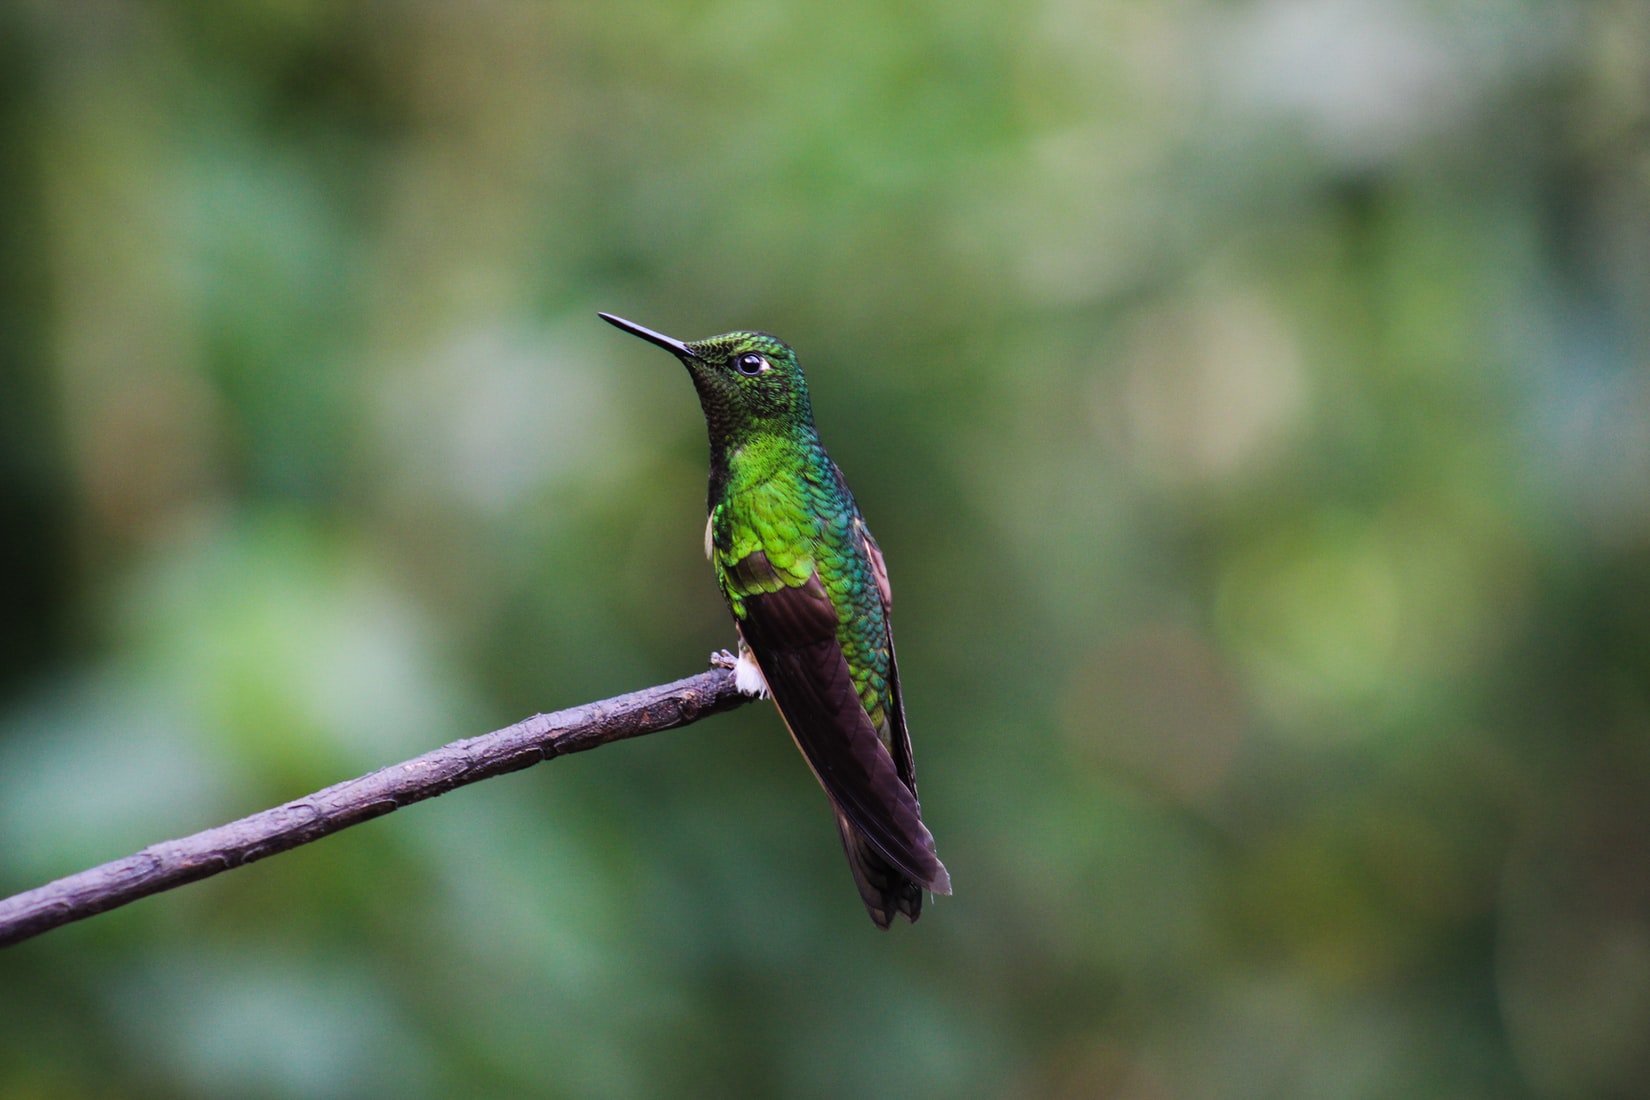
(792, 634)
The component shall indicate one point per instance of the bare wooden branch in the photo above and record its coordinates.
(541, 737)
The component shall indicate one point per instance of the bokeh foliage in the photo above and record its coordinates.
(1252, 400)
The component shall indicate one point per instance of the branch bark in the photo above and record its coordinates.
(541, 737)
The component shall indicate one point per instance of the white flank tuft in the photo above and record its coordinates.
(747, 677)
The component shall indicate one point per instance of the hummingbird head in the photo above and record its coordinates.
(747, 381)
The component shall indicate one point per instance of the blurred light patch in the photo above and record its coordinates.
(534, 923)
(524, 891)
(1085, 215)
(1123, 882)
(1157, 708)
(1379, 616)
(1313, 615)
(495, 415)
(930, 1048)
(1277, 1033)
(102, 765)
(1592, 433)
(254, 1022)
(1103, 103)
(293, 650)
(1212, 389)
(1363, 79)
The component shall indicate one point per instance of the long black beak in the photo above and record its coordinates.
(671, 345)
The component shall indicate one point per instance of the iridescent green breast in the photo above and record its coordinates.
(804, 526)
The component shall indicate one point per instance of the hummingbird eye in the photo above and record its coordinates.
(752, 364)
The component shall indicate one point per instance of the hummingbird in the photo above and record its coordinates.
(809, 593)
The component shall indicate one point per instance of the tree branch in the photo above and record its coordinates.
(541, 737)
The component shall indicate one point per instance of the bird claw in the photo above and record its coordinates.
(723, 659)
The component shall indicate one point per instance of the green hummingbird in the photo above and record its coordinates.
(809, 593)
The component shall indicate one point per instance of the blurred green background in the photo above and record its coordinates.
(1252, 398)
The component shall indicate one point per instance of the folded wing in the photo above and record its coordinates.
(792, 632)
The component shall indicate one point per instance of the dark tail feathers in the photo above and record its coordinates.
(884, 888)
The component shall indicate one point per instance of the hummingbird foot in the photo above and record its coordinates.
(723, 659)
